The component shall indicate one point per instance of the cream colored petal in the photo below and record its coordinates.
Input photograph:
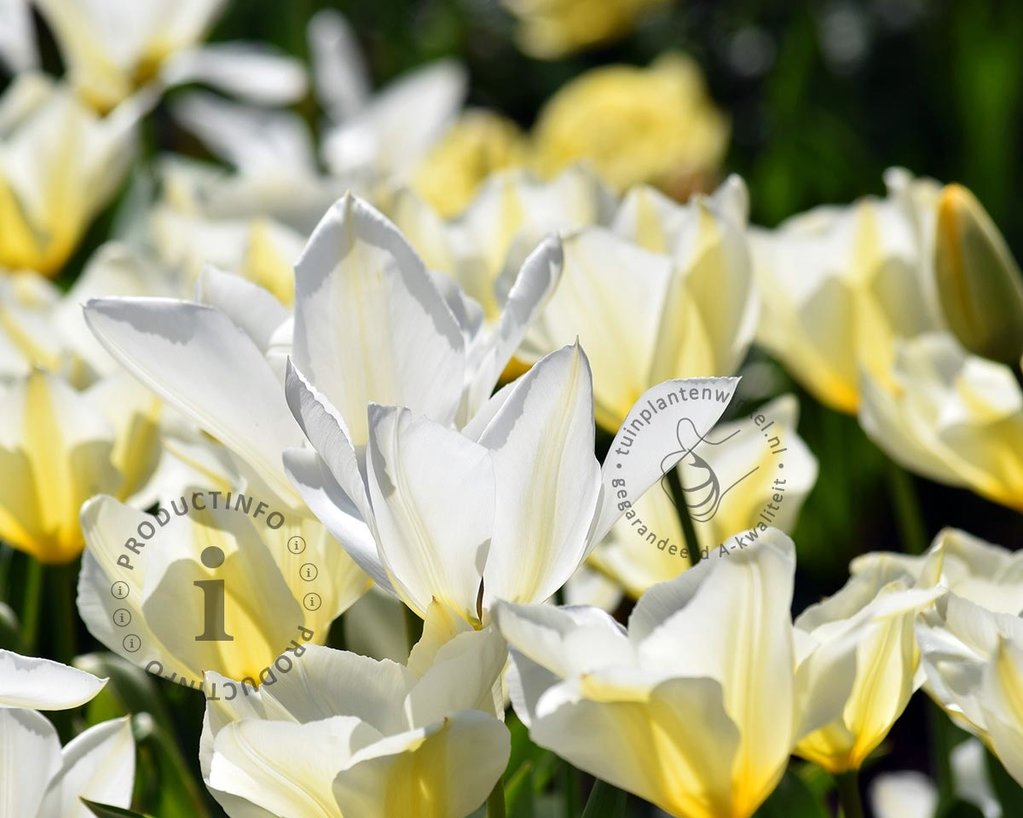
(42, 684)
(443, 771)
(99, 765)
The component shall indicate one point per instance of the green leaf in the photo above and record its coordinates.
(107, 811)
(1007, 791)
(605, 801)
(792, 798)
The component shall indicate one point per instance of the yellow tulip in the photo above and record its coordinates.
(509, 216)
(979, 282)
(686, 310)
(59, 446)
(949, 416)
(653, 125)
(112, 49)
(863, 635)
(694, 707)
(59, 165)
(842, 284)
(971, 568)
(554, 28)
(479, 143)
(973, 658)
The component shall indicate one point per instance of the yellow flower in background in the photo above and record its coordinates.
(750, 473)
(864, 634)
(283, 578)
(841, 284)
(479, 143)
(113, 48)
(59, 446)
(26, 332)
(554, 28)
(979, 283)
(59, 165)
(484, 247)
(653, 125)
(666, 292)
(950, 416)
(259, 250)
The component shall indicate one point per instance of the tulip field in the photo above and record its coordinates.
(511, 409)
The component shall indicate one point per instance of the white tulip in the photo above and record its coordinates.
(694, 707)
(39, 779)
(343, 734)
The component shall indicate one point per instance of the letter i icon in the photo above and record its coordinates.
(213, 599)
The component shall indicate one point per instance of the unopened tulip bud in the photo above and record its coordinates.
(979, 282)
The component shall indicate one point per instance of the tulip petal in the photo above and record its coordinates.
(250, 307)
(370, 326)
(547, 478)
(326, 682)
(751, 589)
(319, 489)
(200, 362)
(434, 523)
(99, 765)
(283, 767)
(27, 742)
(674, 749)
(42, 684)
(462, 677)
(533, 286)
(444, 770)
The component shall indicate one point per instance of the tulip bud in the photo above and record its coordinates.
(979, 282)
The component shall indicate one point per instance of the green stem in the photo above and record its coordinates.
(30, 605)
(495, 803)
(941, 741)
(908, 515)
(62, 581)
(570, 784)
(684, 517)
(849, 794)
(605, 801)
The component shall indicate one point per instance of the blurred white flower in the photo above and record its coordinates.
(112, 48)
(981, 572)
(842, 284)
(60, 164)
